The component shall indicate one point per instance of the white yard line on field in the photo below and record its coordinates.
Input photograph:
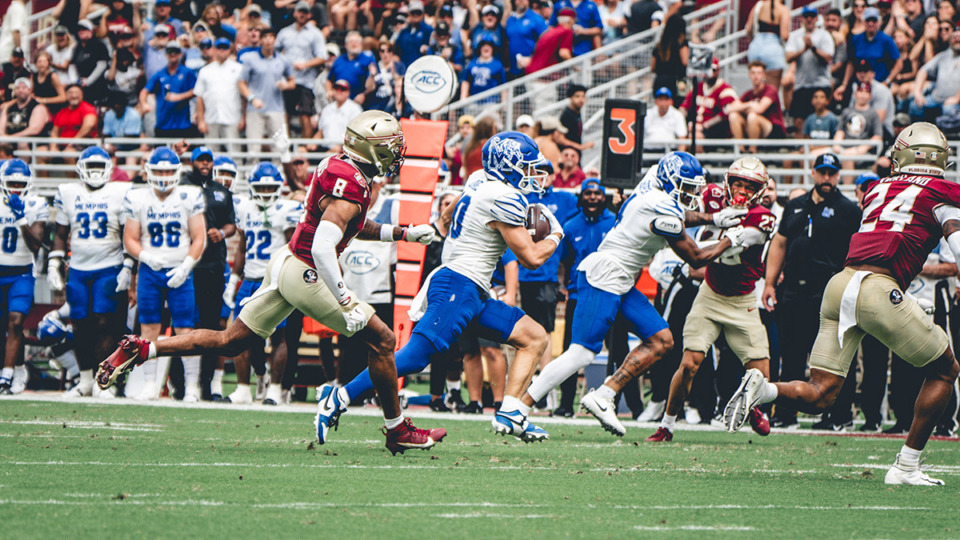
(764, 507)
(941, 469)
(732, 528)
(497, 516)
(120, 426)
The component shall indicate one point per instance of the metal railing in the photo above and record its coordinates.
(40, 27)
(543, 92)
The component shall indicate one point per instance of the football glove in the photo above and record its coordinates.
(18, 207)
(151, 260)
(178, 276)
(230, 293)
(555, 227)
(54, 271)
(729, 217)
(425, 234)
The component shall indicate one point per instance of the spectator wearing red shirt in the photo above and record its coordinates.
(714, 97)
(78, 120)
(554, 46)
(758, 114)
(570, 174)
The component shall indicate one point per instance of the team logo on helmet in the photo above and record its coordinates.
(504, 153)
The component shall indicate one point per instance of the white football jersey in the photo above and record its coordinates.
(264, 230)
(95, 218)
(164, 225)
(13, 248)
(645, 221)
(473, 248)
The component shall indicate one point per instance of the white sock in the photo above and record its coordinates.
(392, 423)
(909, 456)
(568, 363)
(453, 385)
(20, 371)
(606, 392)
(511, 403)
(343, 396)
(6, 373)
(152, 351)
(191, 370)
(216, 384)
(86, 379)
(242, 388)
(769, 392)
(273, 392)
(150, 371)
(669, 420)
(68, 361)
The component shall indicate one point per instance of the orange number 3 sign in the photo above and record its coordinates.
(626, 141)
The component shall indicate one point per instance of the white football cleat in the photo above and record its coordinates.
(604, 410)
(653, 412)
(148, 392)
(109, 393)
(79, 391)
(191, 394)
(240, 396)
(20, 378)
(692, 415)
(909, 476)
(745, 398)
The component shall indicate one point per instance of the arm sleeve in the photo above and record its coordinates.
(324, 252)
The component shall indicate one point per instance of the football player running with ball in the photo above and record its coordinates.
(652, 218)
(22, 218)
(904, 218)
(305, 275)
(488, 217)
(726, 301)
(91, 215)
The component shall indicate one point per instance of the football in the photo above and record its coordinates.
(537, 225)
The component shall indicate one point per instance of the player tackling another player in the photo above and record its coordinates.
(305, 275)
(904, 218)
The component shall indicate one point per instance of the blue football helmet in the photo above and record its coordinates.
(265, 183)
(513, 157)
(224, 171)
(94, 167)
(15, 177)
(680, 176)
(51, 331)
(163, 169)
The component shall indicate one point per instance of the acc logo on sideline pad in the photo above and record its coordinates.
(429, 84)
(428, 81)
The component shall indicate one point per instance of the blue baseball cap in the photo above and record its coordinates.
(206, 43)
(162, 3)
(663, 91)
(867, 178)
(809, 10)
(592, 183)
(871, 13)
(827, 161)
(201, 152)
(222, 43)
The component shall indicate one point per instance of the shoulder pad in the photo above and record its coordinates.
(510, 208)
(669, 226)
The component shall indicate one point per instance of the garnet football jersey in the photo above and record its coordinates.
(899, 228)
(335, 177)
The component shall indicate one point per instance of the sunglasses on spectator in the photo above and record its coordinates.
(859, 6)
(223, 47)
(416, 12)
(384, 49)
(205, 46)
(299, 162)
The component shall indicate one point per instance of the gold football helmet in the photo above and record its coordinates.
(374, 138)
(751, 170)
(920, 149)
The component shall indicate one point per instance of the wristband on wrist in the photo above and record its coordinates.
(128, 261)
(555, 238)
(222, 235)
(250, 98)
(57, 254)
(386, 233)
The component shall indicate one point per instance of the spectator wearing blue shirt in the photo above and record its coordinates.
(356, 66)
(265, 76)
(173, 89)
(523, 28)
(253, 39)
(492, 31)
(875, 47)
(387, 81)
(582, 235)
(482, 74)
(413, 39)
(444, 46)
(539, 290)
(161, 10)
(121, 120)
(589, 24)
(445, 15)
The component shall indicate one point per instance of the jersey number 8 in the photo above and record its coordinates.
(156, 231)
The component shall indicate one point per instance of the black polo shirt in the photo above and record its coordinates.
(818, 237)
(219, 212)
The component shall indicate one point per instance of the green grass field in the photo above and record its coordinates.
(95, 470)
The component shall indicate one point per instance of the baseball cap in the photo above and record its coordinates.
(126, 32)
(333, 50)
(524, 120)
(663, 91)
(809, 10)
(162, 3)
(567, 12)
(592, 183)
(465, 119)
(23, 80)
(61, 30)
(201, 152)
(827, 161)
(871, 13)
(85, 25)
(162, 29)
(862, 86)
(415, 5)
(443, 29)
(17, 52)
(446, 10)
(341, 84)
(222, 43)
(863, 65)
(551, 123)
(867, 178)
(490, 10)
(173, 46)
(206, 43)
(302, 6)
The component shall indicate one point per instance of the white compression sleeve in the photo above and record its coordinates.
(568, 363)
(945, 213)
(324, 252)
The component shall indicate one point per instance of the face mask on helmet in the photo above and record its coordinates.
(681, 177)
(15, 177)
(224, 172)
(514, 158)
(94, 167)
(751, 172)
(163, 170)
(265, 184)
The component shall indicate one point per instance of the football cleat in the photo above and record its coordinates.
(759, 422)
(5, 387)
(79, 391)
(439, 405)
(911, 476)
(269, 401)
(20, 378)
(454, 400)
(653, 412)
(149, 392)
(132, 352)
(329, 409)
(562, 412)
(604, 410)
(473, 407)
(240, 396)
(191, 393)
(109, 393)
(662, 435)
(744, 399)
(407, 436)
(510, 423)
(787, 422)
(533, 433)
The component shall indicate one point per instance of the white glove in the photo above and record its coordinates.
(54, 277)
(554, 224)
(354, 317)
(151, 260)
(178, 276)
(282, 143)
(736, 236)
(123, 279)
(231, 291)
(731, 256)
(425, 234)
(729, 217)
(927, 306)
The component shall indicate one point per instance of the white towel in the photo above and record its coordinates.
(848, 304)
(419, 305)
